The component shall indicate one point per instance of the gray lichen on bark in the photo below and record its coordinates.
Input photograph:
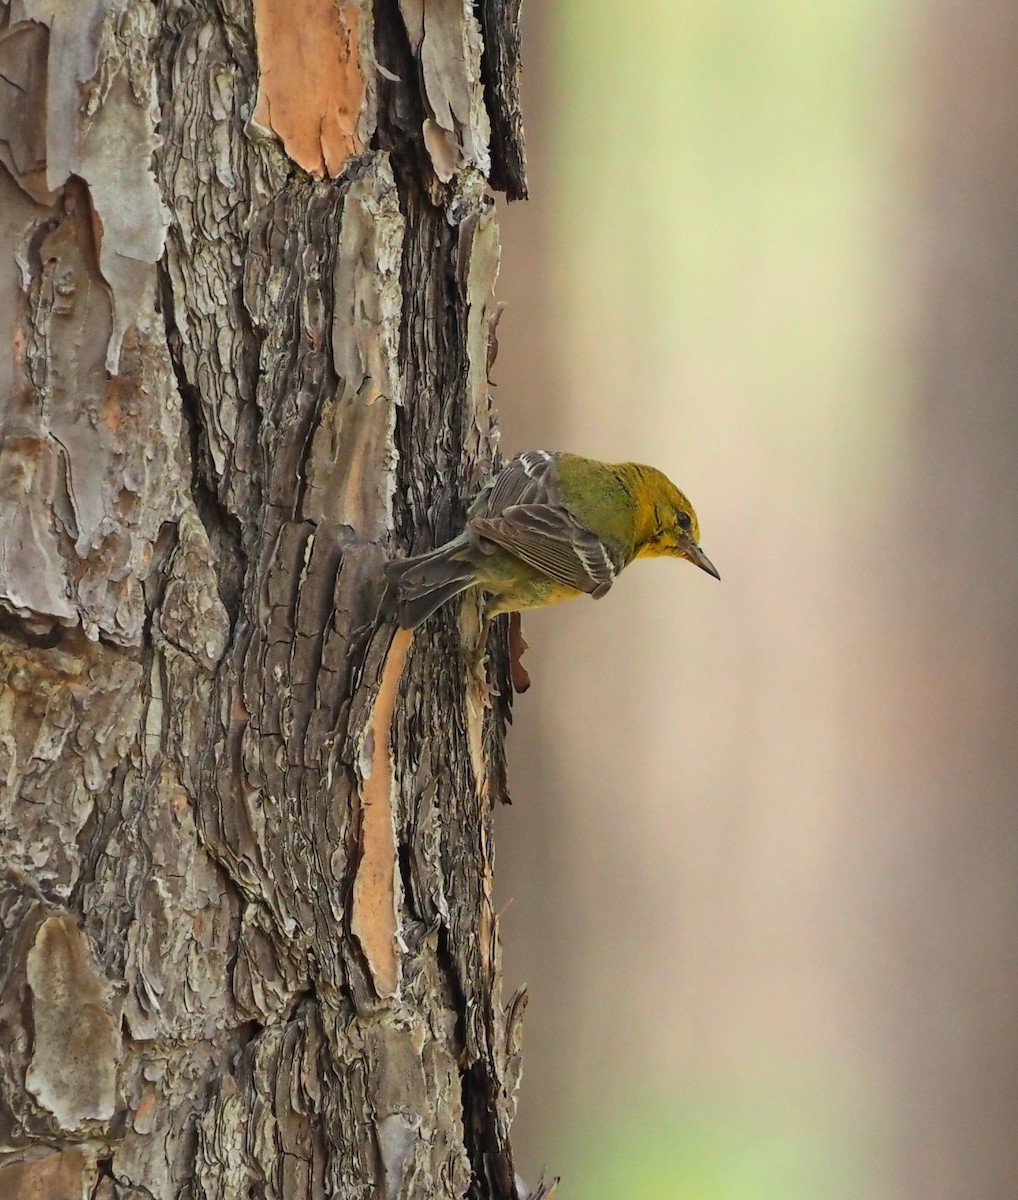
(249, 361)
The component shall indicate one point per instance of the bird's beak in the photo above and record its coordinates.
(695, 555)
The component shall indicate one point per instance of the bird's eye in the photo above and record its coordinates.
(684, 520)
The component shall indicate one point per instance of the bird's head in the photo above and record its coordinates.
(673, 529)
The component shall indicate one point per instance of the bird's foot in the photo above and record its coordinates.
(477, 677)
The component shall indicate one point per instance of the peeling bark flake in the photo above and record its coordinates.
(106, 138)
(87, 476)
(23, 51)
(130, 214)
(311, 91)
(478, 260)
(75, 36)
(352, 464)
(397, 1135)
(373, 917)
(73, 1072)
(47, 1175)
(445, 35)
(369, 297)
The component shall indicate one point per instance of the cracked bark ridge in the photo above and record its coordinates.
(247, 935)
(502, 65)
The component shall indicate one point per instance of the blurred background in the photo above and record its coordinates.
(763, 856)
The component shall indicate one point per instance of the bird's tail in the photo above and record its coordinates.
(427, 581)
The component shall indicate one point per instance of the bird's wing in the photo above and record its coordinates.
(531, 478)
(552, 540)
(523, 512)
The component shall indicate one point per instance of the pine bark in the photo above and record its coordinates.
(247, 937)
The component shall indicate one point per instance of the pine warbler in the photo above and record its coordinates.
(549, 527)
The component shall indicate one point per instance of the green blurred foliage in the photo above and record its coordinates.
(760, 1150)
(724, 172)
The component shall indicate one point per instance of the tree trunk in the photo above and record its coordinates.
(248, 945)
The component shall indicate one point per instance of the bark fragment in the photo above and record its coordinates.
(73, 1070)
(96, 99)
(445, 38)
(313, 70)
(87, 464)
(373, 917)
(357, 424)
(48, 1175)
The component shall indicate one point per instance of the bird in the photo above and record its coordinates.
(548, 527)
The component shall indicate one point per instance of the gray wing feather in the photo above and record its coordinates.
(551, 540)
(529, 479)
(522, 511)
